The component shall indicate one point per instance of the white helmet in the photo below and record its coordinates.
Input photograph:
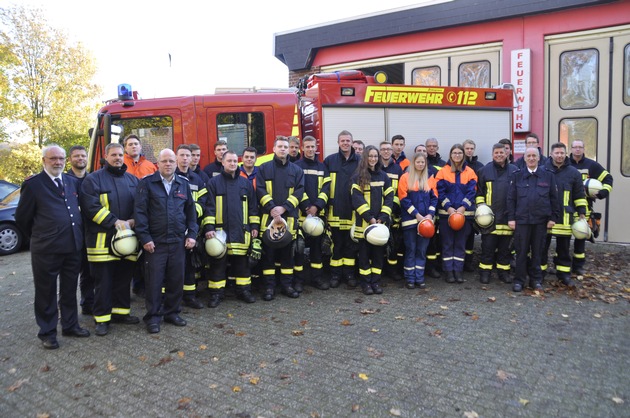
(484, 216)
(215, 246)
(377, 234)
(124, 243)
(592, 187)
(277, 234)
(581, 230)
(313, 226)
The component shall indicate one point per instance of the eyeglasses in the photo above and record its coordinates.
(577, 146)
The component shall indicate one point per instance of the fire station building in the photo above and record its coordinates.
(568, 62)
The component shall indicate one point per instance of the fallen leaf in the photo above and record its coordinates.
(240, 334)
(375, 330)
(444, 307)
(503, 375)
(475, 317)
(203, 347)
(597, 315)
(368, 311)
(183, 403)
(565, 315)
(374, 353)
(213, 386)
(471, 414)
(355, 408)
(142, 358)
(303, 323)
(491, 299)
(370, 390)
(111, 367)
(400, 318)
(395, 412)
(45, 368)
(617, 400)
(285, 376)
(89, 366)
(17, 385)
(43, 415)
(523, 401)
(163, 361)
(310, 351)
(346, 323)
(363, 376)
(236, 389)
(383, 302)
(297, 332)
(180, 354)
(254, 380)
(230, 315)
(215, 359)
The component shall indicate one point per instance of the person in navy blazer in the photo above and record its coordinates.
(48, 213)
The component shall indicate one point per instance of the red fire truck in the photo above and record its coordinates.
(321, 106)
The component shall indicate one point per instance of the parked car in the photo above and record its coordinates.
(11, 238)
(6, 188)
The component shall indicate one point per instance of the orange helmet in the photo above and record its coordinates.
(426, 228)
(456, 221)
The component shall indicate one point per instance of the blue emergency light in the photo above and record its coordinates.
(125, 92)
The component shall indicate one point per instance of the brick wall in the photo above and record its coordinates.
(294, 76)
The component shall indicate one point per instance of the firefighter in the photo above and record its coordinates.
(372, 201)
(280, 188)
(395, 247)
(456, 185)
(435, 244)
(199, 194)
(533, 208)
(492, 189)
(215, 167)
(294, 149)
(589, 169)
(358, 146)
(195, 156)
(137, 164)
(473, 162)
(418, 202)
(249, 169)
(231, 207)
(572, 202)
(341, 167)
(107, 203)
(531, 141)
(316, 190)
(398, 147)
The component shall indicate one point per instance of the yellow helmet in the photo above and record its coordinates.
(124, 243)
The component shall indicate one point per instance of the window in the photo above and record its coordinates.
(155, 133)
(426, 76)
(579, 76)
(625, 147)
(474, 74)
(241, 130)
(584, 129)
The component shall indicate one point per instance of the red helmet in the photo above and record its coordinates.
(456, 221)
(426, 228)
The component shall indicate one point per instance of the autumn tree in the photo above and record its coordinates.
(49, 80)
(20, 161)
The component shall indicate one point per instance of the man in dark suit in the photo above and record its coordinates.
(48, 213)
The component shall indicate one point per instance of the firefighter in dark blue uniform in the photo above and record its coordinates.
(473, 162)
(572, 200)
(231, 207)
(107, 202)
(48, 213)
(341, 166)
(492, 190)
(199, 194)
(316, 191)
(215, 167)
(533, 208)
(588, 168)
(395, 246)
(280, 188)
(166, 226)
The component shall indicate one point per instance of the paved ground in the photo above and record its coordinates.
(450, 351)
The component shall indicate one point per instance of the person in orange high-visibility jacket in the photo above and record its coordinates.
(456, 186)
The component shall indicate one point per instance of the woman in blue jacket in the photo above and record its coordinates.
(418, 203)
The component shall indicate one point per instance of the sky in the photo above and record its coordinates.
(211, 43)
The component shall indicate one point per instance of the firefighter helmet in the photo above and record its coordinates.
(277, 234)
(124, 243)
(215, 246)
(377, 234)
(313, 226)
(580, 229)
(592, 187)
(456, 221)
(426, 228)
(484, 216)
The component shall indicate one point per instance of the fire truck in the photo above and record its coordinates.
(321, 105)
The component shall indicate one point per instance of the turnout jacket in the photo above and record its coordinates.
(107, 195)
(493, 186)
(533, 197)
(341, 169)
(571, 195)
(164, 218)
(373, 201)
(213, 169)
(280, 184)
(198, 190)
(474, 163)
(436, 161)
(316, 185)
(456, 188)
(414, 201)
(592, 169)
(394, 171)
(232, 207)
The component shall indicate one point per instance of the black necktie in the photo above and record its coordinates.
(58, 181)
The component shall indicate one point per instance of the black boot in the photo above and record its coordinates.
(469, 265)
(504, 276)
(244, 293)
(449, 277)
(215, 300)
(459, 276)
(484, 276)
